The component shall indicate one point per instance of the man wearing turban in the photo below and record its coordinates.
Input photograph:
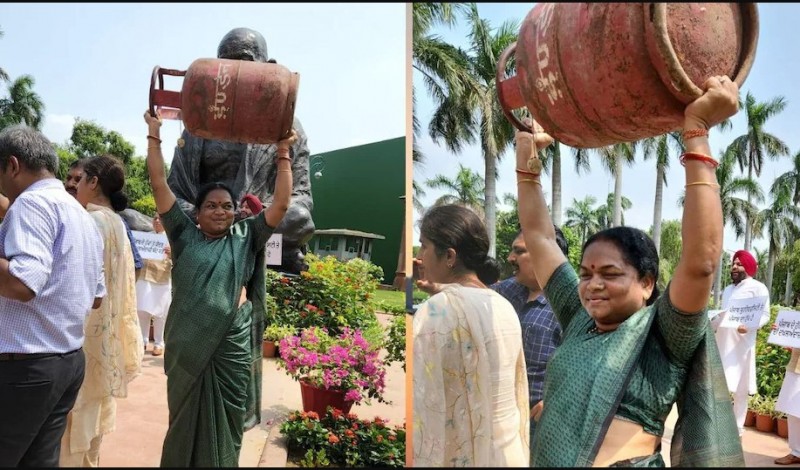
(737, 345)
(250, 206)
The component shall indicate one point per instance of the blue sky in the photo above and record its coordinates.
(774, 73)
(94, 61)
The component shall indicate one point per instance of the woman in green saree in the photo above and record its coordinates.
(629, 354)
(215, 323)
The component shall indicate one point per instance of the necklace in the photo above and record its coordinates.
(595, 330)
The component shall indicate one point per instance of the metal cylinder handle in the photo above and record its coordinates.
(161, 97)
(508, 93)
(656, 13)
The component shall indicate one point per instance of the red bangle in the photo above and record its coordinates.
(154, 138)
(700, 157)
(692, 133)
(526, 172)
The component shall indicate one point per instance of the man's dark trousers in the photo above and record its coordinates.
(36, 394)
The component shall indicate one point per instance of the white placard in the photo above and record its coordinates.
(788, 331)
(714, 313)
(274, 250)
(745, 312)
(151, 245)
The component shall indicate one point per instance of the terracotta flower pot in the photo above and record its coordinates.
(318, 399)
(782, 428)
(764, 423)
(750, 418)
(268, 348)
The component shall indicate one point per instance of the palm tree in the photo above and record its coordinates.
(551, 163)
(466, 189)
(752, 147)
(735, 210)
(22, 104)
(605, 213)
(3, 75)
(659, 147)
(437, 62)
(779, 220)
(583, 217)
(613, 157)
(470, 111)
(790, 179)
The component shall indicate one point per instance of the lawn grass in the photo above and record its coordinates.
(390, 297)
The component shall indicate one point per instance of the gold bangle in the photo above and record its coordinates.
(529, 180)
(703, 183)
(284, 171)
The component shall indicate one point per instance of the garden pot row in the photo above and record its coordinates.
(767, 423)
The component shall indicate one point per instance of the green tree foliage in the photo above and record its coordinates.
(90, 139)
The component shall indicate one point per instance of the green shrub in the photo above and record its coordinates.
(396, 340)
(146, 205)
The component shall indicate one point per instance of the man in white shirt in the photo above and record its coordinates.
(51, 274)
(737, 345)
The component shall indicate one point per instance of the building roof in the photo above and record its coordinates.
(348, 233)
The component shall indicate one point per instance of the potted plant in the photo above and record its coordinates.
(752, 405)
(273, 334)
(781, 424)
(336, 371)
(764, 419)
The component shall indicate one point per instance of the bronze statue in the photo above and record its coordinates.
(248, 168)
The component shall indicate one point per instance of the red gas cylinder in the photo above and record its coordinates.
(595, 74)
(234, 100)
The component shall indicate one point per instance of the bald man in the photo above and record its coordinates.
(737, 345)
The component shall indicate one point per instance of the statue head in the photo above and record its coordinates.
(243, 44)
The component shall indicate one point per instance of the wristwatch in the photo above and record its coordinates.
(535, 164)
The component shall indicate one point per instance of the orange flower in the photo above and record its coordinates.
(380, 439)
(313, 415)
(349, 433)
(332, 438)
(392, 438)
(352, 416)
(284, 280)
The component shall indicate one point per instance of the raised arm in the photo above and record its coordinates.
(534, 218)
(163, 196)
(283, 183)
(701, 226)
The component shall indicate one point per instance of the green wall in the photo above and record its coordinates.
(360, 189)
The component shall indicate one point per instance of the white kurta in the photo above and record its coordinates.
(789, 398)
(736, 350)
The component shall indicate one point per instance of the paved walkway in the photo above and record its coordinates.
(142, 417)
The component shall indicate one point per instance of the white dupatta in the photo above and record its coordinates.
(470, 386)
